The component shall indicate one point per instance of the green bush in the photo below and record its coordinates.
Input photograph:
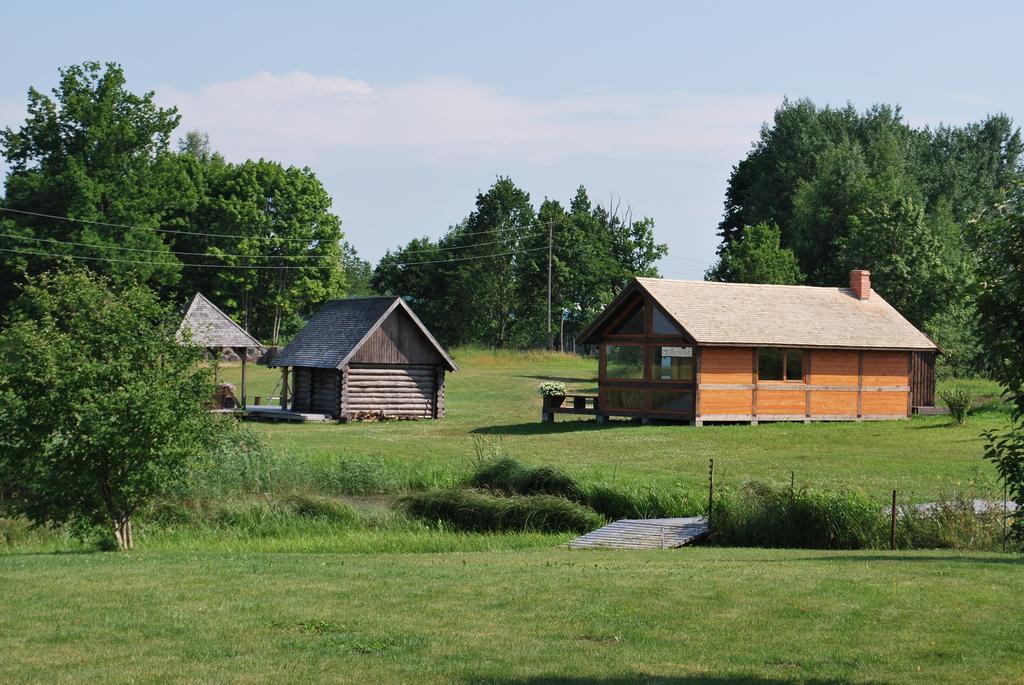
(508, 475)
(959, 401)
(480, 512)
(758, 515)
(502, 474)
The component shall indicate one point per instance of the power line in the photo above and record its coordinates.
(204, 254)
(465, 259)
(173, 252)
(238, 237)
(151, 262)
(147, 228)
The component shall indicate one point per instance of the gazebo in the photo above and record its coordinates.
(213, 329)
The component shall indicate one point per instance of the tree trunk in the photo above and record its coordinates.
(123, 533)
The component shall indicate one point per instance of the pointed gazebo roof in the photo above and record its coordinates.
(210, 327)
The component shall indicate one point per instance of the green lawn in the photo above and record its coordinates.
(492, 399)
(702, 615)
(391, 601)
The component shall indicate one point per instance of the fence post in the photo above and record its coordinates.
(711, 484)
(892, 526)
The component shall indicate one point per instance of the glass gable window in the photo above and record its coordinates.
(672, 363)
(794, 365)
(624, 361)
(633, 324)
(770, 362)
(662, 325)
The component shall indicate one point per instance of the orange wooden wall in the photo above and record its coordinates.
(728, 382)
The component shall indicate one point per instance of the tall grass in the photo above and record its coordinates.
(242, 463)
(758, 515)
(502, 474)
(476, 511)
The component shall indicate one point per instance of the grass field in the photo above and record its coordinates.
(492, 399)
(702, 615)
(381, 598)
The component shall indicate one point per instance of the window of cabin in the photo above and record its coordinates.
(680, 401)
(671, 363)
(770, 364)
(775, 364)
(617, 398)
(794, 365)
(624, 361)
(662, 325)
(632, 324)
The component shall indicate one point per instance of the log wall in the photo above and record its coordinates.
(399, 391)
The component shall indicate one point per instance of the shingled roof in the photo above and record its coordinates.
(210, 327)
(340, 328)
(777, 316)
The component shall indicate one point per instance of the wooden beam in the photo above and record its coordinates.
(807, 381)
(753, 393)
(284, 387)
(860, 384)
(243, 352)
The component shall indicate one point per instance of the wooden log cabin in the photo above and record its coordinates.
(364, 357)
(729, 352)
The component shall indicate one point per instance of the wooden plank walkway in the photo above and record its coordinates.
(644, 534)
(266, 412)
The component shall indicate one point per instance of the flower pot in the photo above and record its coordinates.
(553, 400)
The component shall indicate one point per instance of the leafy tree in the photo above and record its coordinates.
(904, 256)
(853, 189)
(757, 258)
(97, 152)
(485, 281)
(358, 272)
(1001, 310)
(100, 407)
(284, 256)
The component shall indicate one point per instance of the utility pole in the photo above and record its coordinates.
(551, 234)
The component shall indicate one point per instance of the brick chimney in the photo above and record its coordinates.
(860, 283)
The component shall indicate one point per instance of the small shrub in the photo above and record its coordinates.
(959, 401)
(479, 512)
(551, 389)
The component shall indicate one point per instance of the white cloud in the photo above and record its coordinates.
(299, 116)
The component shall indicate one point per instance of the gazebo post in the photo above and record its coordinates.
(243, 352)
(284, 388)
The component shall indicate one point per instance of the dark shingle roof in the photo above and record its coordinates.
(335, 332)
(210, 327)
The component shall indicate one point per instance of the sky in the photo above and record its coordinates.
(406, 111)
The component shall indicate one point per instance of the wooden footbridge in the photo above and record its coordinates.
(644, 534)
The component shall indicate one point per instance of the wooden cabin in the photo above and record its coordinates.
(721, 352)
(205, 325)
(364, 357)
